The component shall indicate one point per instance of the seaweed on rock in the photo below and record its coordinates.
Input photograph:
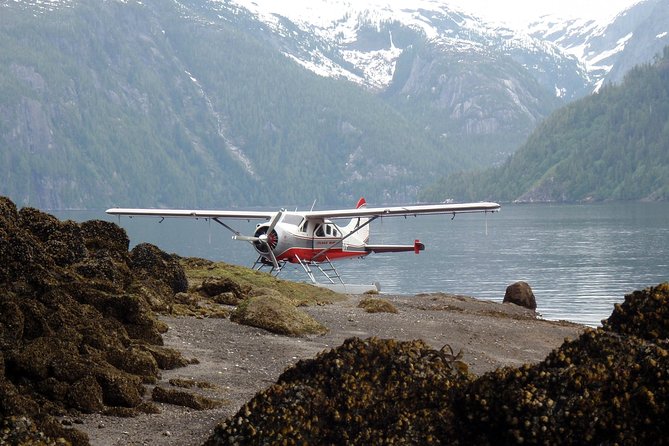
(75, 336)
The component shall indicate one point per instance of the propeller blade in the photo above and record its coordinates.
(246, 238)
(275, 264)
(265, 240)
(275, 220)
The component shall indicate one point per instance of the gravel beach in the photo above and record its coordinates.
(237, 361)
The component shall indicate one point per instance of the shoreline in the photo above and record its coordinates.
(240, 361)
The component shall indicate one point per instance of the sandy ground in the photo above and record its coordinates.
(239, 361)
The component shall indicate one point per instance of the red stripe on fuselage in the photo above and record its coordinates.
(307, 254)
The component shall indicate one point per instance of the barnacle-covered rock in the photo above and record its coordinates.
(105, 237)
(62, 241)
(8, 212)
(370, 391)
(599, 389)
(215, 286)
(644, 314)
(24, 261)
(149, 263)
(23, 431)
(609, 386)
(73, 334)
(107, 265)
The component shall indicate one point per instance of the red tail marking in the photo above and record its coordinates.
(361, 203)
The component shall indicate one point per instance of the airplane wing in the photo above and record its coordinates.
(412, 210)
(242, 215)
(391, 211)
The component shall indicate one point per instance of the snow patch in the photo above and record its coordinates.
(339, 22)
(620, 46)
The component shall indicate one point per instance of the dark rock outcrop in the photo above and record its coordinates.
(162, 270)
(520, 293)
(75, 335)
(644, 314)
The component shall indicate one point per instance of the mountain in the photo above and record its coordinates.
(613, 145)
(610, 49)
(478, 87)
(194, 103)
(174, 104)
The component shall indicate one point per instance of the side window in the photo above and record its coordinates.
(328, 230)
(319, 231)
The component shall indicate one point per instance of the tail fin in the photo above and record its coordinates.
(363, 233)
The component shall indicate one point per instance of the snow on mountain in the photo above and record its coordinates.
(340, 18)
(41, 6)
(362, 40)
(342, 25)
(609, 48)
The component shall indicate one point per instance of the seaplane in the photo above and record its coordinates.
(313, 239)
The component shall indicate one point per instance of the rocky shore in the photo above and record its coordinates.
(102, 345)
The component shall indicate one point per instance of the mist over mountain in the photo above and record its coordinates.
(198, 103)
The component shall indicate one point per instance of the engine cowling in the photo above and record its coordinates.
(271, 239)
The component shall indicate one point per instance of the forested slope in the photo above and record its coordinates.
(613, 145)
(170, 104)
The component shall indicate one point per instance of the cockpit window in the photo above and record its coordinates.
(292, 219)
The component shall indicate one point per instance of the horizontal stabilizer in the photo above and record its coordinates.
(416, 247)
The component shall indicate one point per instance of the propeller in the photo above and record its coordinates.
(265, 239)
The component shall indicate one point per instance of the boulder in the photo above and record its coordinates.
(520, 293)
(277, 314)
(186, 399)
(374, 305)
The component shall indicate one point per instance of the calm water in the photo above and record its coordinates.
(578, 259)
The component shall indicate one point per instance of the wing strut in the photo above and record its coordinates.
(225, 226)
